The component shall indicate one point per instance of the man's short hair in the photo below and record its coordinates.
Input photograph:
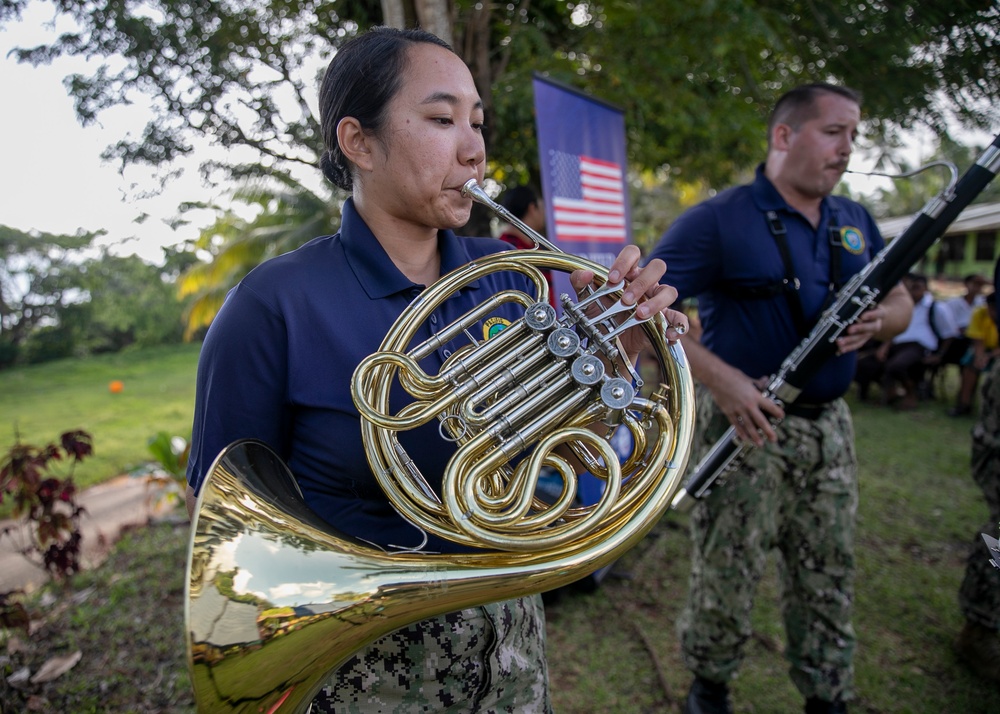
(518, 199)
(798, 105)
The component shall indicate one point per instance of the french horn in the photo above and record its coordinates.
(278, 599)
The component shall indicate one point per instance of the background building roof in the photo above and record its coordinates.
(978, 217)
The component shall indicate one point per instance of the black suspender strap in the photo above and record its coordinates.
(791, 283)
(836, 242)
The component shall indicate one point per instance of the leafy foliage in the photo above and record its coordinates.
(58, 299)
(909, 196)
(130, 302)
(287, 215)
(47, 500)
(170, 452)
(37, 281)
(695, 79)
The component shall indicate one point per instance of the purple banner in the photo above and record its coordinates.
(581, 146)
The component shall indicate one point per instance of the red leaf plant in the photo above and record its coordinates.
(46, 500)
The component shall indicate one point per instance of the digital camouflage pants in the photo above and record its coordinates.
(800, 497)
(979, 594)
(483, 659)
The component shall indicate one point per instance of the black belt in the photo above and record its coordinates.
(805, 411)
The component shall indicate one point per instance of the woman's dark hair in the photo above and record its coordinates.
(361, 80)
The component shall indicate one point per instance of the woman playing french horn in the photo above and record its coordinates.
(402, 123)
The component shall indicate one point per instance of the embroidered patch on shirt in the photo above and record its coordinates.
(852, 239)
(494, 326)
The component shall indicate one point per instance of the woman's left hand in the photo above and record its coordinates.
(640, 282)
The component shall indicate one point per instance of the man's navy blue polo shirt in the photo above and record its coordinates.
(725, 244)
(277, 363)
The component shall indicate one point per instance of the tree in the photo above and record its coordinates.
(694, 78)
(908, 195)
(128, 302)
(37, 282)
(284, 218)
(57, 298)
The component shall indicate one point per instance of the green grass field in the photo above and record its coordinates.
(613, 650)
(40, 402)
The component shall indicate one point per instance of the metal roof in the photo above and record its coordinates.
(978, 217)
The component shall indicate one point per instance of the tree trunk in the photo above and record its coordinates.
(435, 17)
(393, 14)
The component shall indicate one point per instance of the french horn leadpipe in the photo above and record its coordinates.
(277, 599)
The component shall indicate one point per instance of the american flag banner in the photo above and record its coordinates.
(581, 147)
(581, 151)
(588, 199)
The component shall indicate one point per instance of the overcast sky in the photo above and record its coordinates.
(53, 178)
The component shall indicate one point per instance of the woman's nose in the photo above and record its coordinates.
(473, 150)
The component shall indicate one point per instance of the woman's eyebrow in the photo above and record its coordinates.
(448, 98)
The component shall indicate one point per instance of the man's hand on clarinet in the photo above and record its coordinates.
(868, 325)
(742, 400)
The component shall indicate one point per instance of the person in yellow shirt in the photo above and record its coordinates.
(982, 330)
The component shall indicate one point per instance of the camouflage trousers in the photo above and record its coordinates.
(483, 659)
(979, 594)
(798, 496)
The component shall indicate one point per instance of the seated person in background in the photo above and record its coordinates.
(961, 308)
(900, 364)
(523, 203)
(982, 332)
(869, 367)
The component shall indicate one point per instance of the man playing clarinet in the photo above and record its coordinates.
(763, 261)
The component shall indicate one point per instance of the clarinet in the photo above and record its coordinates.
(862, 291)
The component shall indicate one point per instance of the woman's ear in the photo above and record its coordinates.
(354, 143)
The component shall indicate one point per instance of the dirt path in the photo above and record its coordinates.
(111, 506)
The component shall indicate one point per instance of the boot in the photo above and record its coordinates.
(821, 706)
(707, 697)
(979, 647)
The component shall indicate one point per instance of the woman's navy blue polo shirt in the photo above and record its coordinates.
(725, 245)
(277, 363)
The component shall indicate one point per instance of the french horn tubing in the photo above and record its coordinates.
(277, 599)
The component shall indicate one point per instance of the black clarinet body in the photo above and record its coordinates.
(865, 289)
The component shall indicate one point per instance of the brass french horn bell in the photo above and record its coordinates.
(277, 599)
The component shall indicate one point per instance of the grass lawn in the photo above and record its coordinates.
(612, 650)
(40, 402)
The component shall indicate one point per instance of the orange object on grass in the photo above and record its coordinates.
(116, 386)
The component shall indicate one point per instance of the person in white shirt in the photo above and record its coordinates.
(899, 365)
(960, 307)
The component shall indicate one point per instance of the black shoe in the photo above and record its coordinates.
(707, 697)
(820, 706)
